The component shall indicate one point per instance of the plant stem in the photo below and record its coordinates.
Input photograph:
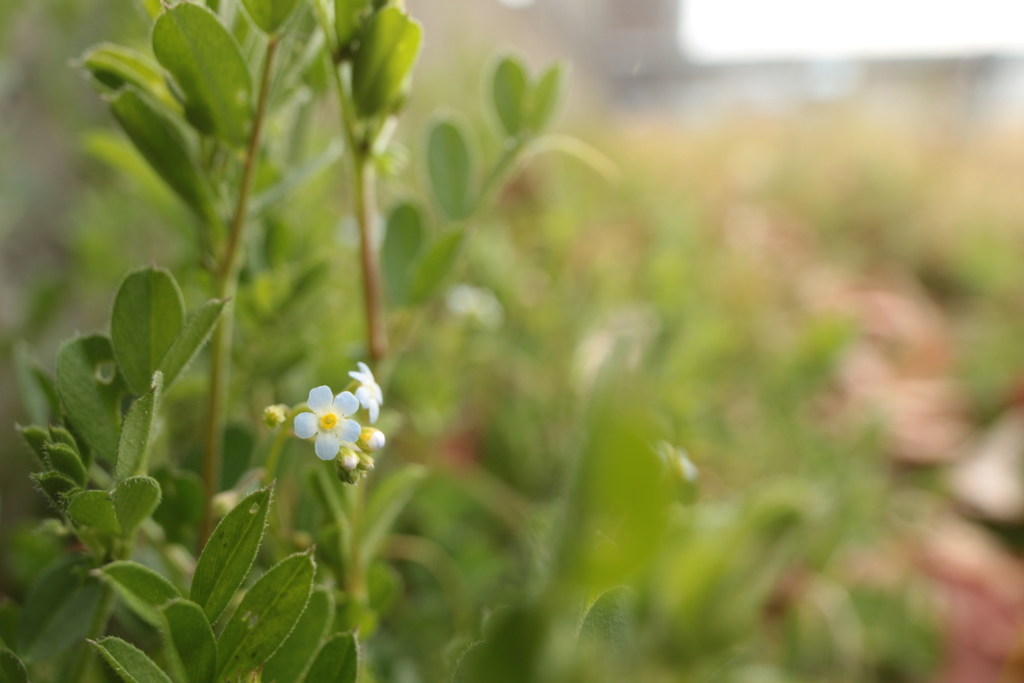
(365, 201)
(227, 285)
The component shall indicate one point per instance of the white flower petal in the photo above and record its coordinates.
(377, 393)
(374, 412)
(363, 395)
(326, 446)
(320, 400)
(365, 369)
(346, 404)
(348, 431)
(305, 425)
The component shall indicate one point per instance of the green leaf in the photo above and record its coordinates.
(137, 432)
(197, 331)
(148, 315)
(66, 460)
(95, 509)
(55, 486)
(112, 67)
(229, 554)
(38, 393)
(384, 60)
(134, 499)
(435, 265)
(450, 168)
(163, 145)
(181, 505)
(91, 388)
(190, 640)
(295, 655)
(348, 19)
(269, 15)
(58, 609)
(387, 502)
(403, 243)
(509, 88)
(129, 662)
(12, 669)
(141, 588)
(205, 60)
(607, 623)
(266, 615)
(338, 660)
(36, 438)
(547, 96)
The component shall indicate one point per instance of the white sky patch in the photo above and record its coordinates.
(753, 30)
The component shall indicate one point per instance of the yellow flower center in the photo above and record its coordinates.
(328, 421)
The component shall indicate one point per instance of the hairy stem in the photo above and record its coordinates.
(227, 284)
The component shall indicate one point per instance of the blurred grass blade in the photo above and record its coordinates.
(435, 266)
(193, 337)
(296, 178)
(386, 503)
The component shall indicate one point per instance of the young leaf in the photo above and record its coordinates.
(112, 67)
(547, 96)
(129, 662)
(403, 243)
(38, 393)
(205, 60)
(387, 502)
(338, 660)
(137, 431)
(509, 88)
(65, 460)
(435, 265)
(95, 509)
(607, 622)
(12, 669)
(58, 609)
(296, 653)
(197, 331)
(266, 615)
(163, 145)
(269, 15)
(348, 17)
(141, 588)
(91, 388)
(229, 554)
(36, 438)
(134, 499)
(450, 168)
(148, 314)
(190, 640)
(384, 60)
(55, 485)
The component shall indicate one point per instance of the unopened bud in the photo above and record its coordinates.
(348, 459)
(371, 440)
(275, 415)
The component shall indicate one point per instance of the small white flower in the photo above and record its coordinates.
(376, 441)
(369, 394)
(327, 421)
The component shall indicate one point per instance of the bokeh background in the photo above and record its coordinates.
(803, 249)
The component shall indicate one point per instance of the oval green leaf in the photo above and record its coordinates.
(338, 660)
(148, 314)
(205, 60)
(384, 60)
(265, 617)
(112, 67)
(137, 432)
(435, 265)
(134, 499)
(229, 554)
(509, 88)
(190, 640)
(142, 589)
(95, 509)
(403, 243)
(91, 387)
(58, 609)
(270, 15)
(129, 662)
(295, 655)
(547, 96)
(450, 168)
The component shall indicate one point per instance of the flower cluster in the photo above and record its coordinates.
(338, 437)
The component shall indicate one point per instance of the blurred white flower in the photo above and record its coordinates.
(476, 304)
(327, 421)
(369, 393)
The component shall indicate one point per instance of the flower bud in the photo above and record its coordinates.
(275, 415)
(347, 458)
(371, 440)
